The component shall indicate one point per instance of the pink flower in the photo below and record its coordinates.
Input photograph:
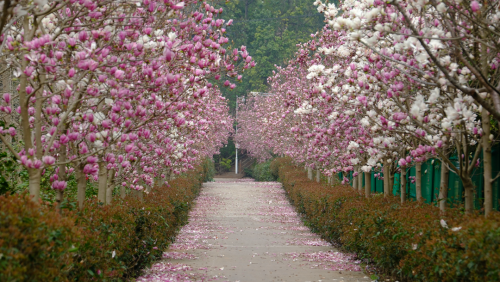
(475, 6)
(92, 159)
(119, 74)
(6, 97)
(48, 160)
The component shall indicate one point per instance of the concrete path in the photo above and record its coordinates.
(240, 230)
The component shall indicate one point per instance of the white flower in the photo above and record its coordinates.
(172, 36)
(434, 96)
(343, 51)
(443, 223)
(441, 7)
(455, 229)
(366, 168)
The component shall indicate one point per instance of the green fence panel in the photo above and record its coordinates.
(373, 183)
(379, 184)
(436, 182)
(427, 181)
(455, 192)
(396, 189)
(495, 157)
(411, 186)
(478, 181)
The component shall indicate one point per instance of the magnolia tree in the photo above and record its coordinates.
(387, 85)
(115, 90)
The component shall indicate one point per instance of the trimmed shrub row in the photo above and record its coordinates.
(100, 242)
(261, 172)
(412, 241)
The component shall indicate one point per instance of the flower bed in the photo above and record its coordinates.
(411, 241)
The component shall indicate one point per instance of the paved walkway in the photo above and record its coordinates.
(240, 230)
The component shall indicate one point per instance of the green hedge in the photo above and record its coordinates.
(406, 241)
(261, 172)
(111, 243)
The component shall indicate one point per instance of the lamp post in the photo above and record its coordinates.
(236, 145)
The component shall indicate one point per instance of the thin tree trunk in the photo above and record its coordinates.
(81, 184)
(443, 190)
(403, 185)
(418, 182)
(309, 173)
(387, 179)
(103, 182)
(318, 175)
(360, 182)
(469, 193)
(355, 183)
(34, 174)
(368, 185)
(488, 192)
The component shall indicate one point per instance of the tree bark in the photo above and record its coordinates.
(387, 179)
(35, 176)
(360, 182)
(469, 194)
(355, 183)
(103, 182)
(443, 190)
(81, 184)
(368, 185)
(418, 182)
(309, 173)
(403, 185)
(318, 175)
(488, 191)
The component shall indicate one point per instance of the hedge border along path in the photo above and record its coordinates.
(248, 231)
(99, 243)
(409, 242)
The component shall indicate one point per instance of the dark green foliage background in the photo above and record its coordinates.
(270, 29)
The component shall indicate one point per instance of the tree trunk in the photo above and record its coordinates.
(355, 183)
(309, 173)
(81, 184)
(318, 175)
(368, 185)
(34, 182)
(103, 182)
(469, 194)
(418, 182)
(403, 185)
(387, 179)
(360, 182)
(488, 196)
(443, 190)
(109, 188)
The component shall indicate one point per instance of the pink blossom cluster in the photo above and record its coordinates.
(118, 91)
(384, 83)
